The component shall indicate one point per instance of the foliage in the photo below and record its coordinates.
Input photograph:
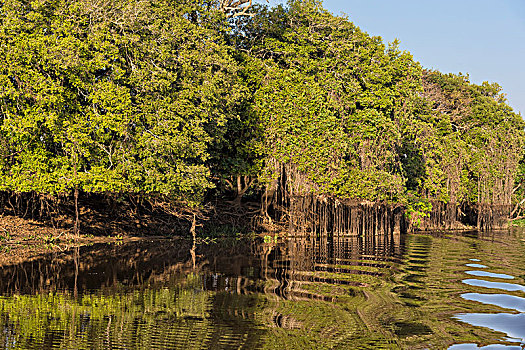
(113, 97)
(480, 140)
(170, 99)
(417, 209)
(518, 222)
(330, 100)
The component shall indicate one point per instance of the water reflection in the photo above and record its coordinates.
(511, 287)
(502, 300)
(174, 294)
(488, 347)
(476, 266)
(373, 292)
(489, 274)
(511, 324)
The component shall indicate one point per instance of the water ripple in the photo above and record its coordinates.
(502, 300)
(488, 347)
(511, 287)
(511, 324)
(477, 266)
(490, 274)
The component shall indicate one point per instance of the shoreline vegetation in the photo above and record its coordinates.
(166, 117)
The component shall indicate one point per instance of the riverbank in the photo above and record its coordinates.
(22, 239)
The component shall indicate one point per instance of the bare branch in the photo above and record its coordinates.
(518, 205)
(235, 8)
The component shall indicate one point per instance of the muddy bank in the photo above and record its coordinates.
(125, 215)
(32, 225)
(26, 231)
(25, 239)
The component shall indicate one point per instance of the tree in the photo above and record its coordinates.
(114, 97)
(327, 101)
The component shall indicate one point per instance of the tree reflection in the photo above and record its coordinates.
(371, 291)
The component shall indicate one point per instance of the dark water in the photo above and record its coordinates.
(457, 291)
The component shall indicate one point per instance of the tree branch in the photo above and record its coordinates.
(235, 8)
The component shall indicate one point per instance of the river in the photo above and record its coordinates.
(418, 291)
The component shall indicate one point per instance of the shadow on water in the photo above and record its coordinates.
(406, 329)
(372, 292)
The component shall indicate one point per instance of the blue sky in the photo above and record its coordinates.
(484, 38)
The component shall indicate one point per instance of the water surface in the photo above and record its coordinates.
(382, 292)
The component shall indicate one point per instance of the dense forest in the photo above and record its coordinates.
(182, 104)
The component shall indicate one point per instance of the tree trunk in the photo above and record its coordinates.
(76, 228)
